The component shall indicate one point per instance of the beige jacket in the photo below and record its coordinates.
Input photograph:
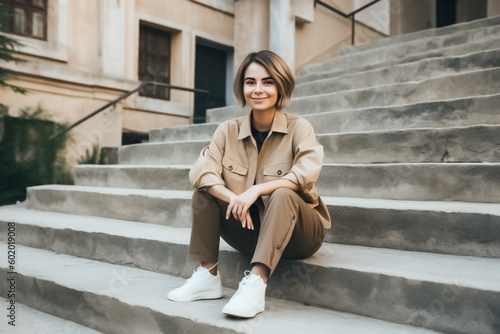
(290, 151)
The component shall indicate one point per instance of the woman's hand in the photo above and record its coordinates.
(239, 205)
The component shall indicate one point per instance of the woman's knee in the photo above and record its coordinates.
(201, 200)
(282, 193)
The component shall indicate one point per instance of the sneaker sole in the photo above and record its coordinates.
(244, 316)
(200, 296)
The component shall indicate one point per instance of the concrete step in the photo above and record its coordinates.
(467, 182)
(484, 82)
(66, 283)
(451, 29)
(415, 71)
(438, 54)
(160, 153)
(458, 112)
(186, 132)
(441, 227)
(183, 132)
(439, 114)
(164, 207)
(154, 176)
(174, 152)
(421, 47)
(459, 144)
(30, 320)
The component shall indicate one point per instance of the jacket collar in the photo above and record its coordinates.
(279, 125)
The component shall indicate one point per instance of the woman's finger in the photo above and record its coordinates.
(235, 212)
(229, 208)
(249, 221)
(241, 212)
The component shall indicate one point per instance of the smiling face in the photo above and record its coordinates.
(259, 89)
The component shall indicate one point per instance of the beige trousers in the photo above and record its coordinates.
(290, 228)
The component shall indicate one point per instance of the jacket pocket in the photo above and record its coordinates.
(233, 167)
(276, 171)
(234, 175)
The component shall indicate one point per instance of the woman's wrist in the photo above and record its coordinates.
(258, 189)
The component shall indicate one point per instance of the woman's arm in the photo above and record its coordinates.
(239, 204)
(268, 187)
(226, 195)
(221, 193)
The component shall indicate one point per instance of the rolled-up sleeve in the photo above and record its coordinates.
(207, 170)
(307, 161)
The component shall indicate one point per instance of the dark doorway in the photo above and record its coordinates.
(446, 12)
(210, 74)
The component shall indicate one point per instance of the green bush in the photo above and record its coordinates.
(28, 156)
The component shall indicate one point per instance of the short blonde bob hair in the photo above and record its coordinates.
(277, 69)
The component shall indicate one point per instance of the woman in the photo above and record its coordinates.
(254, 186)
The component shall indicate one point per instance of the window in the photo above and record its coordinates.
(27, 18)
(154, 61)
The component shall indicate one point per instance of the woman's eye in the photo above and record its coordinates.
(269, 82)
(249, 82)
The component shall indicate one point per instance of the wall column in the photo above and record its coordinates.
(282, 30)
(113, 16)
(251, 28)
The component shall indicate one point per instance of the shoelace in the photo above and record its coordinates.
(244, 283)
(198, 271)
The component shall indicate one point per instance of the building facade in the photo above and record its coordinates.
(83, 54)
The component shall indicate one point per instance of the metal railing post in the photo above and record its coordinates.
(124, 96)
(347, 16)
(353, 29)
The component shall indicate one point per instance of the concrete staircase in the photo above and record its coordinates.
(411, 130)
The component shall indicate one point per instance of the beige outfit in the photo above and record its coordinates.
(285, 219)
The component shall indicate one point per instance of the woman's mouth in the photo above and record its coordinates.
(259, 99)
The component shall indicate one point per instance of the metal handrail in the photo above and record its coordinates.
(350, 15)
(124, 96)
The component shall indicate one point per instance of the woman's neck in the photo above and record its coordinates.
(262, 121)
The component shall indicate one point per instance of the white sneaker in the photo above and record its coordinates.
(250, 299)
(201, 285)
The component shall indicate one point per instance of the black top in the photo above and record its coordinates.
(259, 137)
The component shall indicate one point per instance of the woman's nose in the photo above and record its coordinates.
(258, 87)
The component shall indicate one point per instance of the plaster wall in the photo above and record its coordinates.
(409, 16)
(376, 16)
(85, 64)
(67, 103)
(327, 35)
(493, 8)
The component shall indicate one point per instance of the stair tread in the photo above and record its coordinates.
(413, 46)
(458, 76)
(34, 321)
(366, 132)
(447, 269)
(430, 103)
(177, 194)
(148, 289)
(453, 206)
(416, 71)
(407, 119)
(418, 35)
(329, 75)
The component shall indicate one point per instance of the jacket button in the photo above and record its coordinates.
(230, 168)
(278, 247)
(279, 172)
